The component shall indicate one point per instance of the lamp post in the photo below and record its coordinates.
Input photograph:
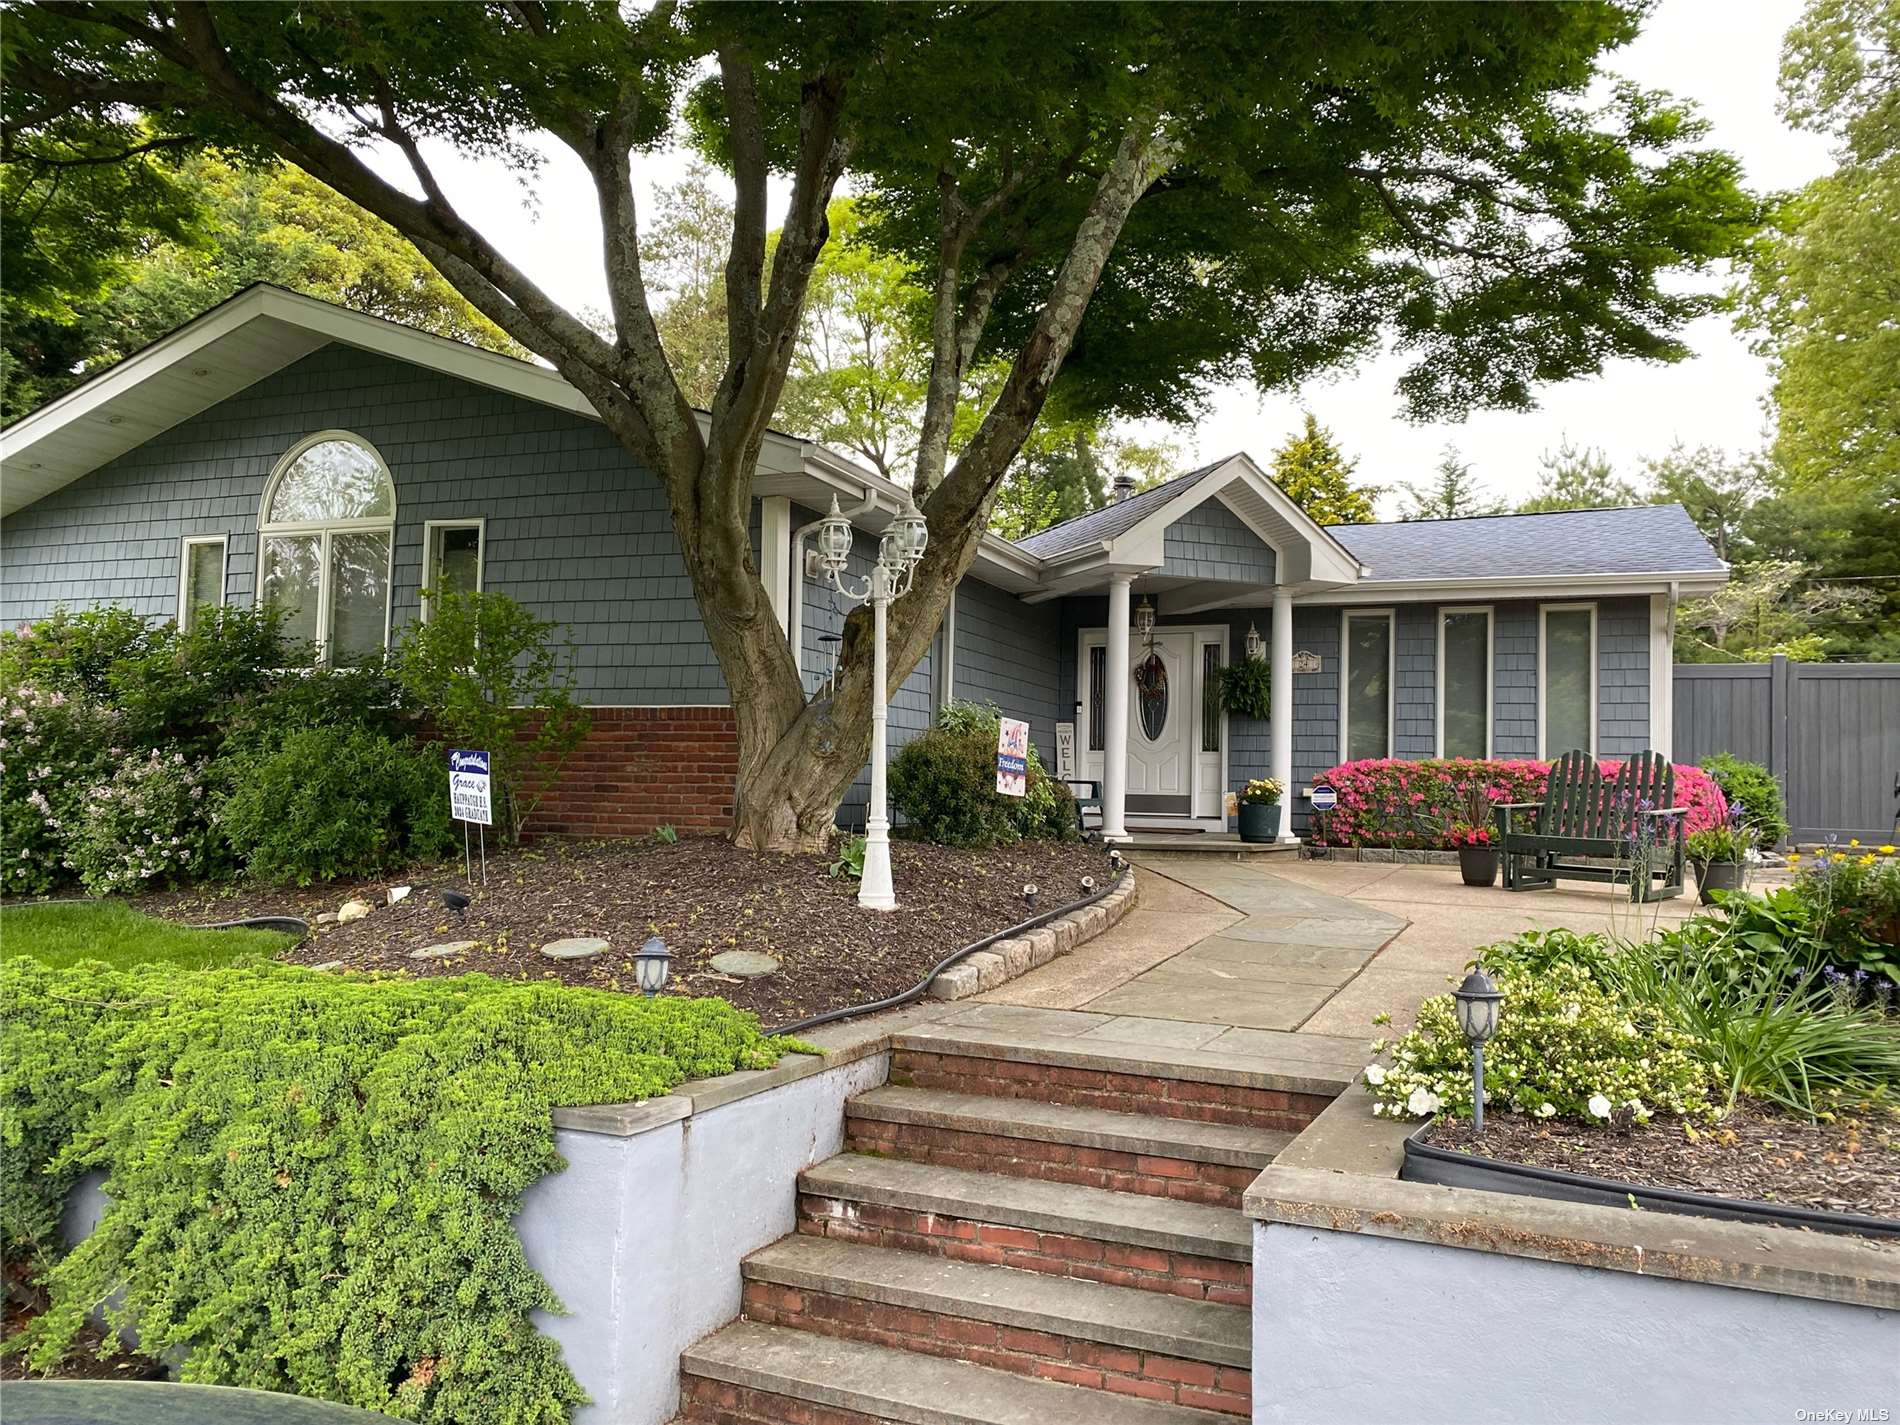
(897, 555)
(1477, 1001)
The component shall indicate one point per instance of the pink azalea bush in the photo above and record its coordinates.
(1387, 801)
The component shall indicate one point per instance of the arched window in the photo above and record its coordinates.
(327, 524)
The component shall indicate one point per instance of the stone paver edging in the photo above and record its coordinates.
(1006, 959)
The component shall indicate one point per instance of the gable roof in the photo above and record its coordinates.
(1646, 539)
(1111, 520)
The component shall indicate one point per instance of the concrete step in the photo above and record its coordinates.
(1127, 1152)
(1155, 1244)
(1033, 1317)
(751, 1373)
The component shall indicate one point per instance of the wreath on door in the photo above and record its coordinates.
(1151, 689)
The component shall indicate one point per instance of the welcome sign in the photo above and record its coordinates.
(470, 795)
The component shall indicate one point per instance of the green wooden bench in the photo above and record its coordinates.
(1630, 821)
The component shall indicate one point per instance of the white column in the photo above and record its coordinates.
(875, 891)
(775, 556)
(1115, 714)
(1280, 707)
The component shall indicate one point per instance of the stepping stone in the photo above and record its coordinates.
(443, 950)
(745, 964)
(329, 965)
(326, 917)
(351, 910)
(574, 947)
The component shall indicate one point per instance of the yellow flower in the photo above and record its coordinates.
(1794, 858)
(1853, 841)
(1838, 856)
(1886, 851)
(1866, 860)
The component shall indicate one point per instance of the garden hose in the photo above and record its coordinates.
(1035, 922)
(287, 924)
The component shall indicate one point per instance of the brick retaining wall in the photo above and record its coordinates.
(642, 768)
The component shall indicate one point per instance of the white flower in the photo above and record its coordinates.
(1377, 1109)
(1547, 1110)
(1422, 1102)
(1599, 1106)
(1375, 1074)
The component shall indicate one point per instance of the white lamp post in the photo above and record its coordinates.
(897, 555)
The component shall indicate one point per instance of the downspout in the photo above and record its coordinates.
(796, 617)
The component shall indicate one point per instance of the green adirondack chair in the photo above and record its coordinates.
(1588, 828)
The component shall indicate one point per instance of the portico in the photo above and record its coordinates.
(1164, 588)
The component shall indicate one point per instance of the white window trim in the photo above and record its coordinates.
(1543, 682)
(1346, 616)
(947, 653)
(1490, 673)
(478, 523)
(184, 568)
(324, 529)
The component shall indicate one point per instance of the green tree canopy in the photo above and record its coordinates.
(1452, 493)
(1823, 288)
(270, 224)
(1575, 477)
(1315, 472)
(1133, 199)
(1715, 489)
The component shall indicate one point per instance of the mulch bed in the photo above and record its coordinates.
(702, 895)
(1757, 1152)
(83, 1361)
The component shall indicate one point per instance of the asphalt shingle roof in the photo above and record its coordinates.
(1110, 520)
(1648, 539)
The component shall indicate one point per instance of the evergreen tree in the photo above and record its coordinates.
(1312, 469)
(1578, 478)
(1453, 493)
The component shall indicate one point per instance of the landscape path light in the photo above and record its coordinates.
(898, 553)
(652, 965)
(1477, 1001)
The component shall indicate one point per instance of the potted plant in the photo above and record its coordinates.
(1477, 856)
(1260, 809)
(1244, 689)
(1720, 854)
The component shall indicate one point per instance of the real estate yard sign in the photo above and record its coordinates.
(1012, 758)
(470, 797)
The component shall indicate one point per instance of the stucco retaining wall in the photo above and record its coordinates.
(1354, 1328)
(642, 1234)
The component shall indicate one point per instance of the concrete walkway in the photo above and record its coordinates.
(1216, 942)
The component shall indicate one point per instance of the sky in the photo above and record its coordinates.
(1722, 55)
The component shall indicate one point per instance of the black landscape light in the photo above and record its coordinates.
(1029, 895)
(652, 965)
(1477, 1000)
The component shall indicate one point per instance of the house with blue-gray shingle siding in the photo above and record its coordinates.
(342, 466)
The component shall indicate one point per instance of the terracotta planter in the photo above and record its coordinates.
(1713, 876)
(1478, 865)
(1259, 823)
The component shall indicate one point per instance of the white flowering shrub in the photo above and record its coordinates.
(148, 824)
(53, 746)
(1564, 1048)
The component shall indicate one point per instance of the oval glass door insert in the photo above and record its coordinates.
(1151, 695)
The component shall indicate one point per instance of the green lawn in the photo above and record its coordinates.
(64, 933)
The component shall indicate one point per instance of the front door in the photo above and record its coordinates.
(1165, 723)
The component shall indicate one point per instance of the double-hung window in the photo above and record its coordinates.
(1365, 696)
(329, 522)
(200, 576)
(1464, 683)
(1567, 679)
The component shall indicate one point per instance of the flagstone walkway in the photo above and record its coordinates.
(1261, 952)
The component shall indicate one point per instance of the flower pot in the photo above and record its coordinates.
(1711, 876)
(1259, 823)
(1478, 865)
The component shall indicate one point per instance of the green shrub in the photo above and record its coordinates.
(944, 783)
(149, 824)
(177, 690)
(337, 801)
(491, 675)
(1565, 1047)
(312, 1177)
(54, 746)
(364, 696)
(70, 653)
(1245, 689)
(1752, 785)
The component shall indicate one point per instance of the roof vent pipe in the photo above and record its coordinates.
(1124, 487)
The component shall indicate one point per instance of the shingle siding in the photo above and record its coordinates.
(1211, 542)
(1514, 680)
(575, 529)
(1623, 676)
(1415, 686)
(1006, 653)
